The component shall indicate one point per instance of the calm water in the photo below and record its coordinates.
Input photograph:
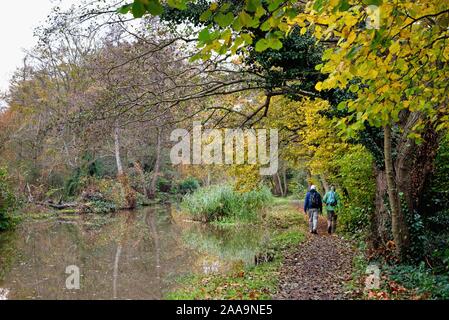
(130, 255)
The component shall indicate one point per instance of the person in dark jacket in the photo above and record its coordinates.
(313, 205)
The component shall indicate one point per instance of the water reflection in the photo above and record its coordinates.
(130, 255)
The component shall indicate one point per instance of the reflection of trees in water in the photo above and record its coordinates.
(8, 252)
(135, 255)
(150, 219)
(130, 218)
(228, 244)
(40, 247)
(121, 251)
(115, 274)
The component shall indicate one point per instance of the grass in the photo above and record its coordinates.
(223, 203)
(257, 282)
(284, 200)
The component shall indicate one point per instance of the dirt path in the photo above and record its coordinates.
(318, 269)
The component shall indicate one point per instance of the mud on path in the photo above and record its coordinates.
(318, 269)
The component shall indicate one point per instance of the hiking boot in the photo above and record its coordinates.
(329, 230)
(315, 232)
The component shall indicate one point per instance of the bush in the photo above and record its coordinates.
(8, 202)
(102, 195)
(421, 279)
(112, 192)
(188, 185)
(223, 202)
(357, 179)
(73, 184)
(101, 206)
(163, 185)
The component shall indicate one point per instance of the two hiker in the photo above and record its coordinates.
(313, 205)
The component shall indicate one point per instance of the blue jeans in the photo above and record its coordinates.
(313, 218)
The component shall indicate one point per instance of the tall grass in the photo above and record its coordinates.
(216, 203)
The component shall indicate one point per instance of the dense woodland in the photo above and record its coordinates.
(87, 119)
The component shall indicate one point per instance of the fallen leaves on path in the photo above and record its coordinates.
(318, 269)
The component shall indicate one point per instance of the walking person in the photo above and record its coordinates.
(313, 205)
(332, 201)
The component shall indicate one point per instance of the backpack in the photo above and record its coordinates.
(332, 201)
(314, 200)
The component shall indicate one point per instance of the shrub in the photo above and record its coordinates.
(8, 202)
(421, 279)
(112, 192)
(356, 178)
(73, 184)
(223, 202)
(163, 185)
(188, 185)
(102, 195)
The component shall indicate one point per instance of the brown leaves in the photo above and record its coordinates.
(318, 269)
(396, 288)
(380, 295)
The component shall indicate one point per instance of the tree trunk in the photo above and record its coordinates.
(324, 183)
(398, 222)
(117, 150)
(284, 178)
(278, 190)
(152, 191)
(208, 178)
(414, 164)
(380, 217)
(130, 196)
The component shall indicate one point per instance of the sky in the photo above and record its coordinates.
(17, 21)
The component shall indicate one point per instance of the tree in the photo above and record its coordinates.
(396, 69)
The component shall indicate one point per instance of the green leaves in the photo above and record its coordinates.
(205, 15)
(138, 9)
(252, 5)
(177, 4)
(271, 41)
(224, 20)
(154, 7)
(274, 4)
(372, 2)
(275, 44)
(125, 9)
(262, 45)
(204, 35)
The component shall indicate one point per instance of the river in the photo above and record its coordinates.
(128, 255)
